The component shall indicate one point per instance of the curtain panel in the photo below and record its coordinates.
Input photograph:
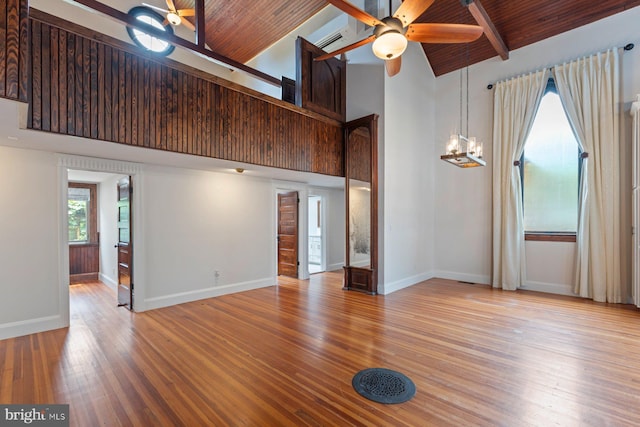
(515, 104)
(589, 90)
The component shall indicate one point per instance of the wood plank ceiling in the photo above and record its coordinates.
(241, 29)
(520, 23)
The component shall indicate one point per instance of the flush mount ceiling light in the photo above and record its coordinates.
(239, 170)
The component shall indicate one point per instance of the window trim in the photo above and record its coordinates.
(92, 215)
(550, 236)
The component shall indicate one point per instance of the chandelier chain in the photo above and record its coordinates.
(467, 115)
(460, 126)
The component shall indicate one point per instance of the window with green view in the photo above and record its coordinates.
(550, 173)
(78, 209)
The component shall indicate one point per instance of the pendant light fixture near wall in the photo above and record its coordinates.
(463, 150)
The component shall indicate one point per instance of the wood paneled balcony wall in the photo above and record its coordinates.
(86, 84)
(14, 48)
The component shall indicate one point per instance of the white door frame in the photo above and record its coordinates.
(135, 170)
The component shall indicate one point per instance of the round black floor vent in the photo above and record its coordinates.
(384, 385)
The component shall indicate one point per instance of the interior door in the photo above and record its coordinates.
(288, 234)
(125, 246)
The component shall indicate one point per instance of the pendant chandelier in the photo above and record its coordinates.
(462, 150)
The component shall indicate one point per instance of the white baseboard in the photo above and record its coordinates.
(336, 266)
(108, 281)
(387, 288)
(463, 277)
(550, 288)
(31, 326)
(182, 297)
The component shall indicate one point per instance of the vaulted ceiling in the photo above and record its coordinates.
(520, 23)
(241, 29)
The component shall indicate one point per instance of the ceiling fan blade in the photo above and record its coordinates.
(443, 33)
(171, 5)
(410, 10)
(165, 22)
(393, 66)
(346, 48)
(187, 24)
(155, 7)
(186, 12)
(359, 14)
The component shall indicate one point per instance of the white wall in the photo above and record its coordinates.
(29, 262)
(365, 96)
(315, 208)
(108, 214)
(463, 197)
(200, 222)
(335, 229)
(189, 224)
(434, 219)
(365, 93)
(406, 106)
(334, 225)
(409, 112)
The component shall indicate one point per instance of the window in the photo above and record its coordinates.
(145, 40)
(550, 173)
(82, 216)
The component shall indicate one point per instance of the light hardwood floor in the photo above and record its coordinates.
(285, 355)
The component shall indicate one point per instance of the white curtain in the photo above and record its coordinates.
(589, 90)
(514, 108)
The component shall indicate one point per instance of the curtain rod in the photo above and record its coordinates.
(627, 47)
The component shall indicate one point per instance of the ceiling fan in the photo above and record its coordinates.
(391, 34)
(175, 16)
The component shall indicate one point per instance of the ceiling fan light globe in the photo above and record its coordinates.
(389, 45)
(173, 18)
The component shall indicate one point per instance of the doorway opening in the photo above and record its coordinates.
(82, 219)
(315, 238)
(94, 233)
(69, 169)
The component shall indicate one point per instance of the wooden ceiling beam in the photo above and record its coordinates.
(200, 26)
(177, 41)
(483, 19)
